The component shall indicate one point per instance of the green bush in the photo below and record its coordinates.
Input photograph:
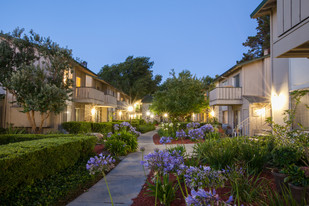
(24, 162)
(77, 127)
(102, 127)
(128, 138)
(53, 190)
(284, 155)
(163, 133)
(220, 153)
(12, 138)
(116, 147)
(146, 128)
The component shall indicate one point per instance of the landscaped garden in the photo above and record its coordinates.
(51, 169)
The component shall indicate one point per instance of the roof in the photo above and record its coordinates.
(263, 8)
(238, 66)
(147, 99)
(256, 99)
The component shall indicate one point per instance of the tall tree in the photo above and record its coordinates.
(134, 77)
(180, 96)
(35, 70)
(258, 43)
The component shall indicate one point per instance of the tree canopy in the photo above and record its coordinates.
(180, 96)
(35, 70)
(134, 77)
(258, 43)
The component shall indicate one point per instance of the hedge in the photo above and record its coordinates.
(24, 162)
(77, 127)
(146, 128)
(12, 138)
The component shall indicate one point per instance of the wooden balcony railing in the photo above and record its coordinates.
(225, 96)
(92, 95)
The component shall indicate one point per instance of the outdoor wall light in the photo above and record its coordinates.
(130, 109)
(120, 113)
(212, 113)
(151, 116)
(165, 115)
(147, 113)
(260, 112)
(93, 111)
(277, 101)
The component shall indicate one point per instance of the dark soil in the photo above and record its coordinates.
(143, 199)
(99, 148)
(156, 141)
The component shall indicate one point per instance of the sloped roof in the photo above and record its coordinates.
(263, 8)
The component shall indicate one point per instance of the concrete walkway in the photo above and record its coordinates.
(125, 181)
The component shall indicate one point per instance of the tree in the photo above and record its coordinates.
(259, 42)
(180, 96)
(134, 77)
(35, 70)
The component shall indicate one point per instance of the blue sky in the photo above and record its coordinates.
(202, 36)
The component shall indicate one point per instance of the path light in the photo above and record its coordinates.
(212, 113)
(147, 113)
(165, 115)
(93, 111)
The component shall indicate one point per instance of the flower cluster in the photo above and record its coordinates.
(99, 163)
(165, 140)
(196, 134)
(202, 197)
(164, 162)
(125, 124)
(203, 176)
(109, 134)
(116, 127)
(133, 130)
(207, 128)
(193, 125)
(181, 134)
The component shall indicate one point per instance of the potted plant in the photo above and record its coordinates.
(283, 155)
(298, 181)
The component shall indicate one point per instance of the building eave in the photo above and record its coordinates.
(263, 8)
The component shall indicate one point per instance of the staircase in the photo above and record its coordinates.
(243, 128)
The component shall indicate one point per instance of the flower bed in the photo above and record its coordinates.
(156, 140)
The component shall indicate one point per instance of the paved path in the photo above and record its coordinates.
(125, 181)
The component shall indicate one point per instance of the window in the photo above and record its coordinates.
(78, 81)
(225, 117)
(236, 80)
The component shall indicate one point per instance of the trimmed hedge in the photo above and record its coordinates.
(24, 162)
(12, 138)
(146, 128)
(103, 127)
(77, 127)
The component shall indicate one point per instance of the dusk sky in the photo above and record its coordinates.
(202, 36)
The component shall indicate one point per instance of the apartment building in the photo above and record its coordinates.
(241, 99)
(289, 55)
(93, 100)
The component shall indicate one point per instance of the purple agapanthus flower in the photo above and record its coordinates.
(196, 134)
(181, 134)
(202, 197)
(109, 134)
(193, 125)
(165, 140)
(125, 124)
(116, 127)
(100, 163)
(164, 162)
(207, 128)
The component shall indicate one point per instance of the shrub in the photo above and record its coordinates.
(146, 128)
(24, 162)
(284, 155)
(220, 153)
(12, 138)
(102, 127)
(162, 132)
(77, 127)
(116, 147)
(128, 138)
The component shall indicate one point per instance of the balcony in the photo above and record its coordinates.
(93, 96)
(224, 96)
(122, 105)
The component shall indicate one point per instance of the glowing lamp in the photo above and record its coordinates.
(147, 113)
(130, 109)
(165, 114)
(151, 116)
(277, 101)
(93, 111)
(212, 113)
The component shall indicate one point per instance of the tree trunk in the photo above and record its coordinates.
(32, 123)
(42, 122)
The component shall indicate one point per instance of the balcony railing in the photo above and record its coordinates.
(94, 96)
(225, 96)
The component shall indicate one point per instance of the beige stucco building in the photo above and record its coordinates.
(93, 100)
(241, 99)
(289, 28)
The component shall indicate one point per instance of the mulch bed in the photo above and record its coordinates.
(99, 148)
(145, 200)
(156, 141)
